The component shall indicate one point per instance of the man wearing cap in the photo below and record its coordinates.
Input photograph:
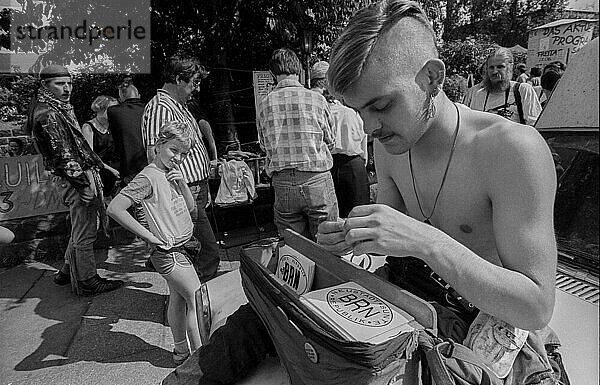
(66, 153)
(294, 129)
(350, 151)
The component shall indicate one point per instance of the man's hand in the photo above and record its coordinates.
(382, 230)
(332, 237)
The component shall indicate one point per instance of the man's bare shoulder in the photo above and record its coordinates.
(495, 136)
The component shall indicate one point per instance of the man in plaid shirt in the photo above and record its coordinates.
(295, 130)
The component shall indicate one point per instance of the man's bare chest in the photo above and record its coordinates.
(463, 209)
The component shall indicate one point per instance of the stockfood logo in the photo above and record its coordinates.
(360, 307)
(292, 273)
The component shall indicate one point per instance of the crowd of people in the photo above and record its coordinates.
(465, 191)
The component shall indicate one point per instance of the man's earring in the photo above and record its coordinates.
(430, 113)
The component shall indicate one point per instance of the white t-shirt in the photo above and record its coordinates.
(503, 103)
(164, 206)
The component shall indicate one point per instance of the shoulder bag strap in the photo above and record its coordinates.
(517, 95)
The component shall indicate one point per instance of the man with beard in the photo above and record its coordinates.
(67, 155)
(499, 95)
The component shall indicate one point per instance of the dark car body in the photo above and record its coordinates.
(575, 319)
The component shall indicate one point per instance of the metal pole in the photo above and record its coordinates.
(307, 71)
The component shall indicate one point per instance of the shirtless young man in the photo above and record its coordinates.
(486, 184)
(492, 235)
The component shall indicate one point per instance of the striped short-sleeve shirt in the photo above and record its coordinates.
(295, 128)
(162, 108)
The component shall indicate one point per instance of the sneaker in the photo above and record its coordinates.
(61, 278)
(97, 285)
(179, 358)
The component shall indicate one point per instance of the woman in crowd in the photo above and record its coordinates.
(97, 134)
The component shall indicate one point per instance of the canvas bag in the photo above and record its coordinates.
(450, 363)
(308, 351)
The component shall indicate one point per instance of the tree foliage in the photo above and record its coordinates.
(79, 32)
(234, 37)
(506, 22)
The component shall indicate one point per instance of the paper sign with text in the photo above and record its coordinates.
(557, 41)
(27, 189)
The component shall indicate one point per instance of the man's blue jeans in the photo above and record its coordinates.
(209, 253)
(303, 200)
(80, 251)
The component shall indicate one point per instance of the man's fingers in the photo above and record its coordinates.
(362, 211)
(359, 235)
(331, 227)
(330, 238)
(360, 222)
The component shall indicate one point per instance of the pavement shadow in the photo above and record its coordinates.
(126, 325)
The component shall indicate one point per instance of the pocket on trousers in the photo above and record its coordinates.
(322, 193)
(282, 199)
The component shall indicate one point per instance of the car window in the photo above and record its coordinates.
(576, 204)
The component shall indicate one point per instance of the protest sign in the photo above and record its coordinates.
(26, 189)
(558, 40)
(263, 83)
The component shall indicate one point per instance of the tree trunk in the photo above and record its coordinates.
(451, 22)
(224, 129)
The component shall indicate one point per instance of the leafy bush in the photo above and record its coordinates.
(455, 87)
(465, 56)
(8, 113)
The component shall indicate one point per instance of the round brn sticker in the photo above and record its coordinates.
(360, 307)
(311, 353)
(292, 273)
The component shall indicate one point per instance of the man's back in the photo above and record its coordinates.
(125, 124)
(295, 128)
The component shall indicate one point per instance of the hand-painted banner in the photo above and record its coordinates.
(26, 189)
(557, 41)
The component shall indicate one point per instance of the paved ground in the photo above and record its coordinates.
(49, 336)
